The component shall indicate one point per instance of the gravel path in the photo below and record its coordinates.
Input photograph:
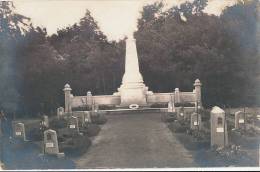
(135, 141)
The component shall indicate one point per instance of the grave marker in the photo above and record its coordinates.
(195, 121)
(19, 131)
(46, 121)
(219, 135)
(239, 120)
(60, 111)
(73, 124)
(51, 145)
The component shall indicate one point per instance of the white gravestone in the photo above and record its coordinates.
(219, 134)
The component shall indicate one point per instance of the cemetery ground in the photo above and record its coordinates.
(133, 140)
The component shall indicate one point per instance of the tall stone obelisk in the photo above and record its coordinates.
(132, 90)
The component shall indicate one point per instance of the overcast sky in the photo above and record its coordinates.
(116, 18)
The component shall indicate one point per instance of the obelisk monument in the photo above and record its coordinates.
(132, 90)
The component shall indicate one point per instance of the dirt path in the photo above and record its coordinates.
(135, 141)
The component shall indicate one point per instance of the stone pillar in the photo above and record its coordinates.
(67, 93)
(197, 90)
(89, 99)
(177, 98)
(219, 134)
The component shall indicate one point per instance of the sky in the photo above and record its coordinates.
(116, 18)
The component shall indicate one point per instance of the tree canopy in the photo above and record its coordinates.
(175, 47)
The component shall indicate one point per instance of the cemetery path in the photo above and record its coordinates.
(135, 141)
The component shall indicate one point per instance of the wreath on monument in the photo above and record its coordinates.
(134, 106)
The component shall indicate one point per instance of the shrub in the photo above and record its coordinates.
(98, 118)
(35, 134)
(58, 123)
(75, 146)
(91, 130)
(169, 117)
(177, 127)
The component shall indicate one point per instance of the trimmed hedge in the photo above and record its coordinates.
(159, 105)
(98, 118)
(178, 127)
(185, 104)
(76, 145)
(35, 134)
(169, 117)
(106, 107)
(58, 123)
(91, 130)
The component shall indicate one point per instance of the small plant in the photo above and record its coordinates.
(230, 154)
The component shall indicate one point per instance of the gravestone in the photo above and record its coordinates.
(87, 117)
(171, 107)
(51, 145)
(19, 131)
(195, 121)
(45, 121)
(219, 135)
(239, 120)
(60, 111)
(73, 124)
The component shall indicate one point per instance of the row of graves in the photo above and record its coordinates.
(69, 133)
(216, 137)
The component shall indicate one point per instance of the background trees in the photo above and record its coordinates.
(175, 47)
(183, 43)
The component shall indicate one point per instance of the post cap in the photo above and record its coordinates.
(67, 88)
(197, 82)
(89, 93)
(217, 110)
(177, 89)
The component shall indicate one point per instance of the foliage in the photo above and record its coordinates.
(57, 123)
(175, 47)
(220, 51)
(77, 145)
(98, 118)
